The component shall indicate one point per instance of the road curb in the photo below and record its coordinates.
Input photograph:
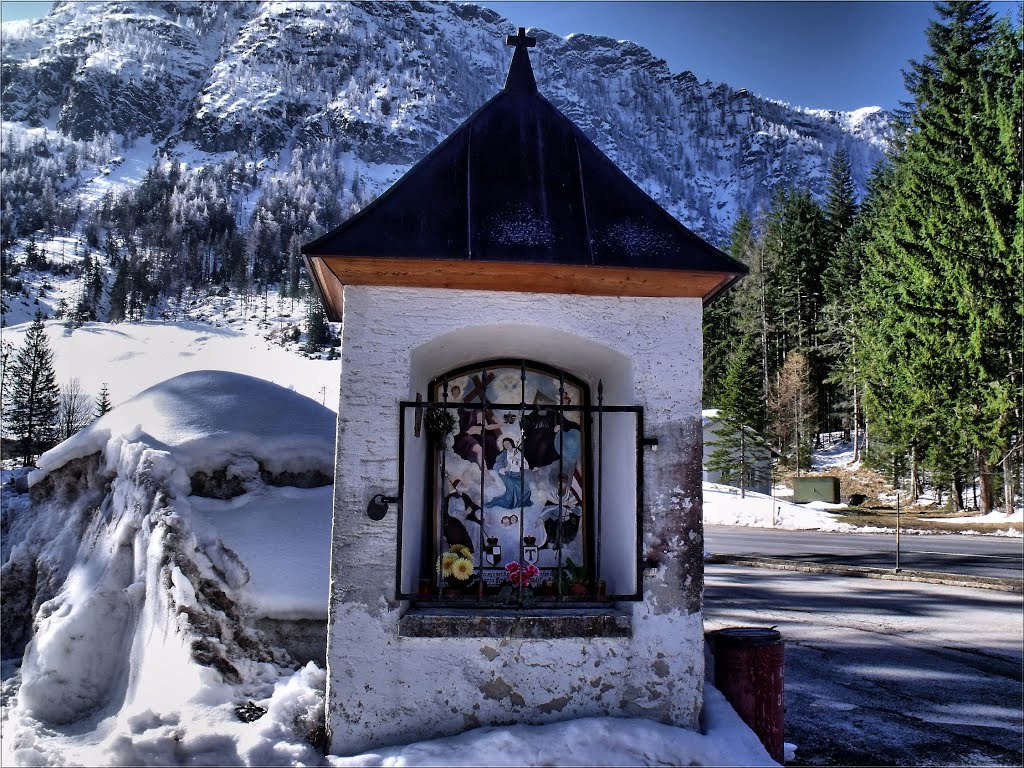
(886, 574)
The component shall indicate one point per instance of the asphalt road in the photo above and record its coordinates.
(946, 553)
(885, 672)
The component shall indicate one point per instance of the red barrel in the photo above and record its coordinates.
(750, 669)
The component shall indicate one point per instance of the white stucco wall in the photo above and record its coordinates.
(385, 689)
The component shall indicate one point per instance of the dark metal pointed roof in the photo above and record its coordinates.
(518, 183)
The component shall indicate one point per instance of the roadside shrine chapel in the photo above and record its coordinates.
(517, 516)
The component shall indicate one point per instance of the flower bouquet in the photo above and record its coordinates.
(456, 567)
(519, 589)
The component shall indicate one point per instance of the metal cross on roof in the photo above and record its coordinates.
(521, 40)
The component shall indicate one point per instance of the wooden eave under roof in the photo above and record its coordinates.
(518, 199)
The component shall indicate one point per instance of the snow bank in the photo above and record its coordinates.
(143, 596)
(590, 741)
(723, 505)
(206, 419)
(992, 517)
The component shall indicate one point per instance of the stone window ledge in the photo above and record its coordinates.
(551, 624)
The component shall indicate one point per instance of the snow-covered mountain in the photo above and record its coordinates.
(371, 87)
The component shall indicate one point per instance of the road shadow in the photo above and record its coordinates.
(864, 697)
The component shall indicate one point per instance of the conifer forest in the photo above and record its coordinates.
(897, 319)
(882, 306)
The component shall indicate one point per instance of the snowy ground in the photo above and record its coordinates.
(723, 505)
(143, 649)
(140, 569)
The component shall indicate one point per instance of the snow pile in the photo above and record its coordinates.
(723, 505)
(143, 566)
(201, 419)
(589, 741)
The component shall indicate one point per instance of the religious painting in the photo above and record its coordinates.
(510, 481)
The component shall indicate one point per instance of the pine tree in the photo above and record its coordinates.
(939, 344)
(741, 416)
(318, 332)
(793, 409)
(33, 397)
(102, 402)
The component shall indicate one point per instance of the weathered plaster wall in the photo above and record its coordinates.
(383, 689)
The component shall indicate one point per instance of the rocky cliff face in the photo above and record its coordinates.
(384, 82)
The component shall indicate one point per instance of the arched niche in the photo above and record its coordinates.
(603, 475)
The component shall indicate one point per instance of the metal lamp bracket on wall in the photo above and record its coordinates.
(378, 506)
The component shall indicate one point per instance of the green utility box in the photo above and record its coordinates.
(824, 488)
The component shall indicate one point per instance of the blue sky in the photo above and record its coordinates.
(835, 55)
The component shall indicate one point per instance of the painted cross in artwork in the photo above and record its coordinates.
(511, 481)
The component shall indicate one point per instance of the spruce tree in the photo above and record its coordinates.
(294, 276)
(939, 343)
(719, 319)
(117, 299)
(741, 417)
(318, 332)
(102, 402)
(33, 396)
(841, 199)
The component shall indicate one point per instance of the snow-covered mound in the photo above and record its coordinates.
(210, 419)
(168, 553)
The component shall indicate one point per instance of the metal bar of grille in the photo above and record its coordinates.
(561, 474)
(600, 481)
(439, 574)
(440, 467)
(522, 472)
(639, 503)
(401, 496)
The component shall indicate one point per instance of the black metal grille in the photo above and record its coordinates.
(431, 493)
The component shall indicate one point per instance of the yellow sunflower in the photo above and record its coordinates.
(461, 550)
(448, 560)
(462, 568)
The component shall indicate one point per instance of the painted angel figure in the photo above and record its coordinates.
(511, 467)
